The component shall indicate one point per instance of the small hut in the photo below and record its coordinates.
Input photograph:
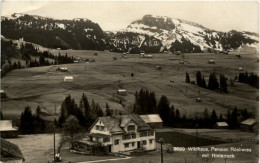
(181, 62)
(7, 130)
(122, 92)
(211, 61)
(68, 79)
(248, 125)
(221, 125)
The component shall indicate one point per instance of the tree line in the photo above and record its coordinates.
(86, 113)
(31, 123)
(9, 50)
(146, 103)
(250, 79)
(213, 83)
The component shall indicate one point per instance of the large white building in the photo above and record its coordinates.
(123, 133)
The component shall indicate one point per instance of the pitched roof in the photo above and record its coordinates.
(222, 124)
(116, 124)
(10, 150)
(249, 121)
(68, 77)
(6, 125)
(151, 118)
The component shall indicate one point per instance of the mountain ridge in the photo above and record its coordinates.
(149, 34)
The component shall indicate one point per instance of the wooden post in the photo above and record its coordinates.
(54, 151)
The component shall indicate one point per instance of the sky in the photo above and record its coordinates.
(115, 15)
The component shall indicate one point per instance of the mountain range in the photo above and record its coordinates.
(149, 34)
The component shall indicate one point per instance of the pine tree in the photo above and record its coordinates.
(164, 109)
(198, 78)
(187, 80)
(26, 121)
(223, 83)
(206, 114)
(234, 119)
(1, 115)
(203, 83)
(109, 112)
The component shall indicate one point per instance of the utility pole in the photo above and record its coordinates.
(54, 151)
(197, 137)
(161, 141)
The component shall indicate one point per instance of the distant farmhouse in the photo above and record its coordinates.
(7, 130)
(154, 120)
(62, 69)
(10, 153)
(68, 79)
(123, 133)
(122, 92)
(221, 125)
(249, 125)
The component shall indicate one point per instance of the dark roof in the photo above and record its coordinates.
(116, 124)
(10, 150)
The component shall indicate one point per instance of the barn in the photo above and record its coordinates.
(7, 130)
(10, 153)
(154, 120)
(68, 79)
(122, 92)
(248, 125)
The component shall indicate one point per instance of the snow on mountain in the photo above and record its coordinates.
(171, 30)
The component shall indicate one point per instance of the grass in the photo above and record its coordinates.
(43, 86)
(183, 140)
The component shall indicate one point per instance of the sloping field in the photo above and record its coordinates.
(100, 80)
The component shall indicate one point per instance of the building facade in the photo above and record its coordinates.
(122, 133)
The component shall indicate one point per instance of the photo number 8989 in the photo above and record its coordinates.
(178, 149)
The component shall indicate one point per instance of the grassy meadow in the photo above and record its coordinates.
(100, 80)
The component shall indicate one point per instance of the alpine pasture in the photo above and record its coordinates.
(101, 79)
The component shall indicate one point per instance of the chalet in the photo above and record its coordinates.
(153, 120)
(221, 125)
(240, 68)
(7, 130)
(248, 125)
(10, 153)
(122, 92)
(122, 133)
(68, 79)
(181, 62)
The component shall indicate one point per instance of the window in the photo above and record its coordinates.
(131, 128)
(144, 142)
(126, 137)
(126, 145)
(102, 128)
(133, 144)
(133, 136)
(150, 133)
(116, 142)
(151, 141)
(106, 139)
(143, 134)
(97, 127)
